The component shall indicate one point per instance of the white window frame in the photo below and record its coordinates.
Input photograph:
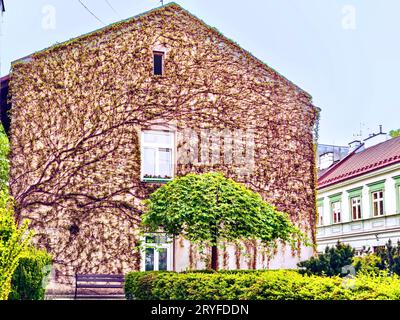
(157, 147)
(359, 205)
(320, 210)
(333, 212)
(156, 246)
(378, 200)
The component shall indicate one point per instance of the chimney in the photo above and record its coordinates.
(325, 160)
(376, 138)
(355, 145)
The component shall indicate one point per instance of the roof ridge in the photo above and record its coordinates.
(377, 145)
(365, 161)
(159, 8)
(93, 32)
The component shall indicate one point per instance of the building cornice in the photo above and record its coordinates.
(365, 176)
(356, 234)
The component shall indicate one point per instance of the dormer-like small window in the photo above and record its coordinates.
(158, 63)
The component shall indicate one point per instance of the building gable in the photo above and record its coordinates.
(170, 9)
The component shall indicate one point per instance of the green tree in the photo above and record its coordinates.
(368, 264)
(390, 257)
(329, 263)
(209, 208)
(13, 241)
(4, 163)
(394, 133)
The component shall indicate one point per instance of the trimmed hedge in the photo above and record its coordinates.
(262, 285)
(27, 280)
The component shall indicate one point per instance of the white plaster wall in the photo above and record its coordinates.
(283, 259)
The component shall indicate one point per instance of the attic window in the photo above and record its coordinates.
(158, 61)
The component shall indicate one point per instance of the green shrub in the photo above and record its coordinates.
(260, 285)
(368, 264)
(138, 285)
(390, 257)
(13, 242)
(27, 280)
(329, 263)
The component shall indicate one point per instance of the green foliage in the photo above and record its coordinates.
(367, 264)
(330, 262)
(13, 242)
(209, 208)
(394, 133)
(13, 239)
(4, 163)
(138, 285)
(390, 257)
(19, 264)
(260, 285)
(27, 281)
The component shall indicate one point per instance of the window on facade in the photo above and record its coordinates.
(336, 212)
(156, 255)
(359, 252)
(377, 203)
(320, 215)
(158, 63)
(355, 208)
(398, 198)
(157, 154)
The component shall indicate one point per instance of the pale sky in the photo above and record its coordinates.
(345, 53)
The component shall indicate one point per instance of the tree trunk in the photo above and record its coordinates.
(214, 258)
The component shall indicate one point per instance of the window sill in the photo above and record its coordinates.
(156, 180)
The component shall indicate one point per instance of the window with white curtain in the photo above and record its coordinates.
(157, 154)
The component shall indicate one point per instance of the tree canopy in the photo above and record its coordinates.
(394, 133)
(13, 239)
(209, 208)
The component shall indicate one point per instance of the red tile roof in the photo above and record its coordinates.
(358, 163)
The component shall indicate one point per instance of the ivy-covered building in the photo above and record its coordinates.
(101, 121)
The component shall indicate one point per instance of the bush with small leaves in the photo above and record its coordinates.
(28, 279)
(257, 285)
(329, 263)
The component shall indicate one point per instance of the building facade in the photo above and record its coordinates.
(359, 198)
(101, 121)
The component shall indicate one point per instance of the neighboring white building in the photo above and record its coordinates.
(359, 197)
